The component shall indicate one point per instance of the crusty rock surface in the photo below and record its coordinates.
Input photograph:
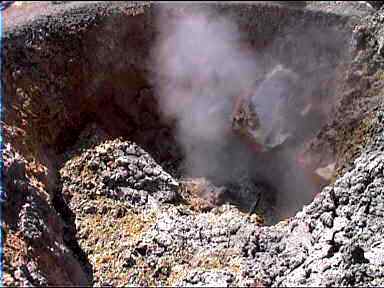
(140, 235)
(35, 252)
(117, 191)
(118, 170)
(95, 225)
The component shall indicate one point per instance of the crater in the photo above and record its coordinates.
(72, 66)
(99, 69)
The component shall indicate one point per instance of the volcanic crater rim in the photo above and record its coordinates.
(99, 73)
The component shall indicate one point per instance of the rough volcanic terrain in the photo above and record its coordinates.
(93, 193)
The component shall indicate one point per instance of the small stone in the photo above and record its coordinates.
(90, 210)
(326, 172)
(327, 219)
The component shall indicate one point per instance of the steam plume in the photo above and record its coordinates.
(200, 70)
(202, 65)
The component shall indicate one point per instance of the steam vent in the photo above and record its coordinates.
(191, 144)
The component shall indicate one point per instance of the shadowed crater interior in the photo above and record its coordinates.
(107, 73)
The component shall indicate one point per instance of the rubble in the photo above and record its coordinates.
(175, 243)
(121, 171)
(34, 250)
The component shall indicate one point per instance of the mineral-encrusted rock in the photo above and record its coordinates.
(114, 191)
(151, 234)
(121, 171)
(123, 218)
(35, 252)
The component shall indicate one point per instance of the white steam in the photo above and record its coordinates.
(202, 65)
(200, 70)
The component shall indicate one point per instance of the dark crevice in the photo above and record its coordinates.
(70, 135)
(69, 233)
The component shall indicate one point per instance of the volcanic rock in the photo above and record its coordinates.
(115, 216)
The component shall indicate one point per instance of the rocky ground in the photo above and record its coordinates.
(137, 228)
(133, 226)
(112, 215)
